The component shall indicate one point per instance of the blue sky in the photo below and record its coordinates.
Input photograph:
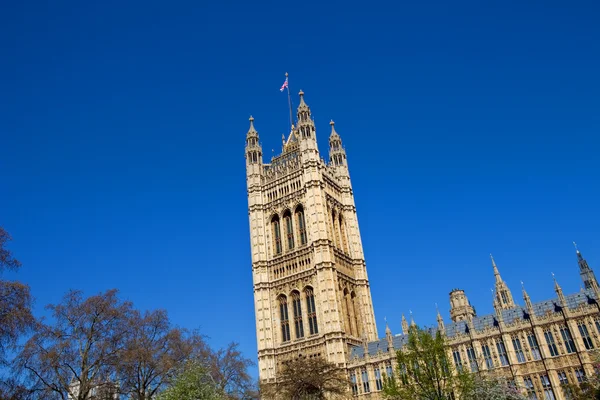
(470, 128)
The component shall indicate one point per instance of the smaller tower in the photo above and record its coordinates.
(404, 325)
(306, 130)
(412, 320)
(460, 307)
(587, 275)
(527, 299)
(503, 295)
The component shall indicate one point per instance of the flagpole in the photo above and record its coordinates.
(289, 99)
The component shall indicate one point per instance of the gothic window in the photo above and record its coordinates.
(378, 381)
(518, 350)
(597, 325)
(487, 356)
(548, 392)
(276, 234)
(580, 375)
(551, 345)
(585, 335)
(502, 352)
(289, 231)
(534, 346)
(389, 372)
(301, 224)
(354, 385)
(355, 308)
(472, 359)
(283, 316)
(457, 360)
(504, 299)
(529, 388)
(565, 332)
(348, 311)
(297, 307)
(564, 383)
(365, 381)
(312, 311)
(335, 230)
(344, 234)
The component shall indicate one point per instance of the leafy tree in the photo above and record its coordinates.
(153, 352)
(308, 379)
(79, 352)
(15, 303)
(193, 383)
(424, 370)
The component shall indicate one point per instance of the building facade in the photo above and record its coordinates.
(312, 294)
(311, 290)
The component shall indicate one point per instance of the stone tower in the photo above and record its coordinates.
(503, 298)
(311, 291)
(460, 307)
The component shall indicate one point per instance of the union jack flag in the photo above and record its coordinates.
(285, 84)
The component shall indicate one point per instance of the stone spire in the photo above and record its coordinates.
(253, 148)
(561, 297)
(527, 300)
(503, 295)
(337, 154)
(404, 325)
(306, 129)
(440, 320)
(587, 274)
(412, 320)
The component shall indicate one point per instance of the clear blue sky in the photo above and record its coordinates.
(470, 128)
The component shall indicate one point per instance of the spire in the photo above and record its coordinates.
(404, 325)
(303, 108)
(388, 336)
(253, 148)
(412, 321)
(503, 295)
(561, 297)
(337, 154)
(526, 299)
(440, 320)
(496, 272)
(587, 274)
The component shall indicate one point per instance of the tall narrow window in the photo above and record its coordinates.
(289, 232)
(283, 316)
(276, 234)
(529, 388)
(312, 312)
(518, 350)
(565, 332)
(457, 360)
(585, 335)
(534, 346)
(354, 385)
(564, 383)
(343, 234)
(487, 356)
(301, 225)
(389, 372)
(348, 311)
(551, 345)
(502, 352)
(365, 381)
(580, 375)
(548, 392)
(472, 359)
(504, 299)
(378, 381)
(297, 306)
(356, 313)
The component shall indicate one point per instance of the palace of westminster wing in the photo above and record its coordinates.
(312, 295)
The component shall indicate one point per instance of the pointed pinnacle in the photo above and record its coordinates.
(576, 249)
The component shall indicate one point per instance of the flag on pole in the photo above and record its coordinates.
(285, 84)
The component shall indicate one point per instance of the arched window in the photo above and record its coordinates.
(276, 234)
(348, 307)
(297, 306)
(355, 309)
(343, 234)
(283, 316)
(289, 232)
(301, 225)
(312, 311)
(334, 229)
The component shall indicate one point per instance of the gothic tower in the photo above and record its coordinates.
(587, 274)
(311, 291)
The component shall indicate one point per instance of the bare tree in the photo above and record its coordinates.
(154, 352)
(308, 379)
(79, 351)
(15, 303)
(229, 369)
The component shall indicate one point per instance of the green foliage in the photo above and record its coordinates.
(193, 383)
(424, 370)
(490, 388)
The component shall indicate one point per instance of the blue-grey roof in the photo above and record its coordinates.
(479, 323)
